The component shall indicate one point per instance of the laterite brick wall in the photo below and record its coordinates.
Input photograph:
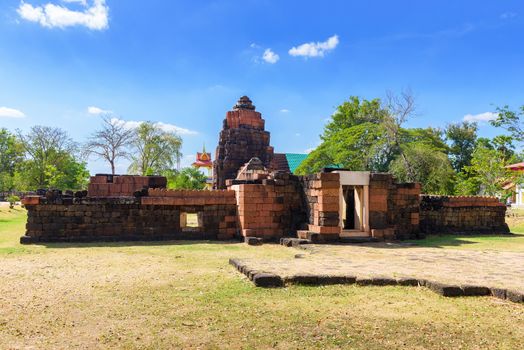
(102, 185)
(393, 208)
(459, 215)
(149, 218)
(322, 204)
(270, 208)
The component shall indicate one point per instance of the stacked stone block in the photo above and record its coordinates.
(393, 208)
(379, 185)
(322, 204)
(462, 215)
(404, 210)
(269, 208)
(127, 218)
(102, 185)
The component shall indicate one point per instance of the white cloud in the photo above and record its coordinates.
(482, 117)
(81, 2)
(6, 112)
(508, 15)
(97, 111)
(309, 150)
(95, 17)
(270, 57)
(284, 110)
(132, 124)
(297, 134)
(312, 49)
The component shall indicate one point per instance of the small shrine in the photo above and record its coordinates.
(203, 160)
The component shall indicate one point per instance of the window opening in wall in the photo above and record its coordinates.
(191, 221)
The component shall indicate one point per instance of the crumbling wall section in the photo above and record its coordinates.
(462, 215)
(104, 185)
(269, 208)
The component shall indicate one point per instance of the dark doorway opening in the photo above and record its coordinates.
(349, 198)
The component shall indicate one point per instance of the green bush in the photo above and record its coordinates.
(13, 200)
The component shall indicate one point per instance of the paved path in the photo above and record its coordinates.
(487, 268)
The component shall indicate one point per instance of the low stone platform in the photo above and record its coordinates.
(447, 272)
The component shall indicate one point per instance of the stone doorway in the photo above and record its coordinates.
(354, 203)
(353, 208)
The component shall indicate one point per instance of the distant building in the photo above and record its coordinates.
(288, 162)
(203, 160)
(517, 197)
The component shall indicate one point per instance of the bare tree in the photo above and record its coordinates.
(111, 142)
(401, 108)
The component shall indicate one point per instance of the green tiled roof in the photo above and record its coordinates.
(294, 160)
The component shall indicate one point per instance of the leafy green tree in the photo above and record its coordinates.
(51, 160)
(11, 154)
(487, 173)
(430, 166)
(354, 139)
(511, 121)
(462, 138)
(368, 135)
(360, 147)
(354, 112)
(188, 179)
(154, 150)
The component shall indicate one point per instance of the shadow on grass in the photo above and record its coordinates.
(121, 244)
(443, 241)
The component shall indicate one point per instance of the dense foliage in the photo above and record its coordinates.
(45, 157)
(154, 150)
(370, 135)
(185, 179)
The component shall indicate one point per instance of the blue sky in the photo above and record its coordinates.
(185, 63)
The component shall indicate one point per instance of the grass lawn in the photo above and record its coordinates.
(185, 295)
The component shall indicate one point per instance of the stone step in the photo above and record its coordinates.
(293, 242)
(303, 234)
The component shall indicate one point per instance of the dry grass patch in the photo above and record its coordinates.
(185, 295)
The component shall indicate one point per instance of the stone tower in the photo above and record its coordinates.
(242, 138)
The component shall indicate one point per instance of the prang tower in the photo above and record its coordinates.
(242, 138)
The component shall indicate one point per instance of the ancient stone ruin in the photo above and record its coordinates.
(242, 138)
(252, 202)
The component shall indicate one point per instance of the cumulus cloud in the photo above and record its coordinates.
(270, 57)
(284, 110)
(97, 111)
(94, 16)
(318, 49)
(132, 124)
(6, 112)
(482, 117)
